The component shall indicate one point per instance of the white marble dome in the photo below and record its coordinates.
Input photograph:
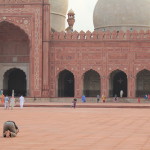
(58, 14)
(122, 15)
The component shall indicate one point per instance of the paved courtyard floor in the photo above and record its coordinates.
(77, 129)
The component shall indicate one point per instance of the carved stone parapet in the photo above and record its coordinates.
(75, 35)
(104, 36)
(82, 35)
(23, 1)
(88, 35)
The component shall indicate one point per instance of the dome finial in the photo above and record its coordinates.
(70, 20)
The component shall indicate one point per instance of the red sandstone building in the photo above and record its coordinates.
(37, 62)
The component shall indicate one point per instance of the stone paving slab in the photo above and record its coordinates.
(77, 129)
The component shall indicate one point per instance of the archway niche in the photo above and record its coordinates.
(91, 84)
(15, 79)
(117, 82)
(14, 51)
(143, 83)
(66, 84)
(14, 44)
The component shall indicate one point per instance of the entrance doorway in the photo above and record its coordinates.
(66, 84)
(118, 82)
(15, 79)
(91, 85)
(143, 83)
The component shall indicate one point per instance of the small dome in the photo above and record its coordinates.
(58, 14)
(71, 11)
(122, 15)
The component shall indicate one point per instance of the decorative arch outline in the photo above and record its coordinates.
(141, 69)
(22, 87)
(61, 70)
(20, 22)
(117, 82)
(83, 72)
(65, 84)
(91, 83)
(117, 68)
(142, 83)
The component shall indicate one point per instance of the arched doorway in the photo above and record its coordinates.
(117, 82)
(91, 84)
(15, 79)
(14, 50)
(66, 84)
(143, 83)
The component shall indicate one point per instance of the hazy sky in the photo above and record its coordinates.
(83, 14)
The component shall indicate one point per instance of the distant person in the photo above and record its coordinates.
(115, 98)
(6, 101)
(2, 98)
(74, 102)
(22, 100)
(12, 102)
(121, 93)
(103, 98)
(83, 99)
(98, 98)
(10, 129)
(146, 96)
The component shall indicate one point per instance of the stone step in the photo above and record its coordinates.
(88, 100)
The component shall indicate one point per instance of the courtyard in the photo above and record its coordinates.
(53, 128)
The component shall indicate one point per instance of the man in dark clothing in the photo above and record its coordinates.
(74, 103)
(10, 129)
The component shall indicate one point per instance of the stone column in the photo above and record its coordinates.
(46, 36)
(104, 86)
(131, 86)
(78, 86)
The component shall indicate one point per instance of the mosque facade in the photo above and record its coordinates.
(38, 58)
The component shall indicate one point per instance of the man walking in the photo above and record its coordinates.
(12, 102)
(21, 101)
(98, 98)
(6, 101)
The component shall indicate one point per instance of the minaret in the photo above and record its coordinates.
(70, 20)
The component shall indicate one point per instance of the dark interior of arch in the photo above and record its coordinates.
(118, 82)
(66, 84)
(91, 84)
(15, 79)
(14, 44)
(143, 83)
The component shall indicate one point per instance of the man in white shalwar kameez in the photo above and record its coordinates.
(21, 101)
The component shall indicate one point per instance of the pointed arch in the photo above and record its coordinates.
(15, 79)
(91, 83)
(65, 84)
(14, 44)
(142, 83)
(117, 82)
(15, 25)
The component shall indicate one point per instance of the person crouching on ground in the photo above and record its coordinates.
(10, 129)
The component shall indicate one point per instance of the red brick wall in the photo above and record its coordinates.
(103, 52)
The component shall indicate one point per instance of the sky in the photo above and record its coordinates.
(83, 14)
